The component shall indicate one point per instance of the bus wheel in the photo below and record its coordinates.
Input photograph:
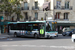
(15, 34)
(35, 35)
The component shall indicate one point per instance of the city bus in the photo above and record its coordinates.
(35, 29)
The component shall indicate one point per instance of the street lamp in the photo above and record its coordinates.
(45, 12)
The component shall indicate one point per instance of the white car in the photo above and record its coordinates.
(73, 36)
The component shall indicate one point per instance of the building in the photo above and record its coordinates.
(60, 10)
(63, 11)
(33, 9)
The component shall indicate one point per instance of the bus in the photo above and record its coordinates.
(35, 29)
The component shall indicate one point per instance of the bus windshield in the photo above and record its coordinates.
(54, 27)
(50, 26)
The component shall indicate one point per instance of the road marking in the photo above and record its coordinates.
(44, 46)
(65, 47)
(14, 45)
(4, 45)
(28, 45)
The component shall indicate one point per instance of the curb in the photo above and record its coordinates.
(3, 38)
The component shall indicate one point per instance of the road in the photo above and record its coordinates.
(56, 43)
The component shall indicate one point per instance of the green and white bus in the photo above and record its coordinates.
(35, 29)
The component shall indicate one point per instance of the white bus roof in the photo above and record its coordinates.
(29, 22)
(51, 20)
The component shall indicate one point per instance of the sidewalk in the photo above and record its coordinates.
(4, 36)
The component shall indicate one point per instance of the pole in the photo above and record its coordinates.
(45, 13)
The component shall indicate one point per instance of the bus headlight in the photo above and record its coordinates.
(55, 33)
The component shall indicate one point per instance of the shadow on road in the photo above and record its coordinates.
(31, 38)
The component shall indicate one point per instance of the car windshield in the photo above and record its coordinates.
(69, 29)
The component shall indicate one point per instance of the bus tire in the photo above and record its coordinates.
(15, 34)
(35, 36)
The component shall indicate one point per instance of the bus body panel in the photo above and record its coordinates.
(41, 32)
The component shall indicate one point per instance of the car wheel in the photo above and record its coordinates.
(64, 34)
(70, 34)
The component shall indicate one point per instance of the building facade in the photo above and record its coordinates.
(60, 10)
(33, 9)
(63, 11)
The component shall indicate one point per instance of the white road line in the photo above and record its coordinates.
(14, 45)
(43, 46)
(28, 45)
(65, 47)
(4, 45)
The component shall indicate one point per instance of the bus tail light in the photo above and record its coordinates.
(55, 33)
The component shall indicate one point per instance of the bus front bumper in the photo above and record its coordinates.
(52, 35)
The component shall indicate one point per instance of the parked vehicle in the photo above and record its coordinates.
(67, 31)
(73, 36)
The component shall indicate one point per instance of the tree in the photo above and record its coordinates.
(10, 7)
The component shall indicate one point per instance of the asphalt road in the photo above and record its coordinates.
(56, 43)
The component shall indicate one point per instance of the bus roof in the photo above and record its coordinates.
(29, 22)
(51, 20)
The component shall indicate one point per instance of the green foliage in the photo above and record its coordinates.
(8, 5)
(21, 16)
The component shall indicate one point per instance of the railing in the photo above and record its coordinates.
(55, 7)
(63, 8)
(25, 8)
(35, 8)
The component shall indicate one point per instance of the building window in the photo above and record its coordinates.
(36, 15)
(57, 16)
(36, 5)
(67, 5)
(58, 4)
(25, 5)
(26, 16)
(65, 15)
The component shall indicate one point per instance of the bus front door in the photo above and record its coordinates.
(41, 30)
